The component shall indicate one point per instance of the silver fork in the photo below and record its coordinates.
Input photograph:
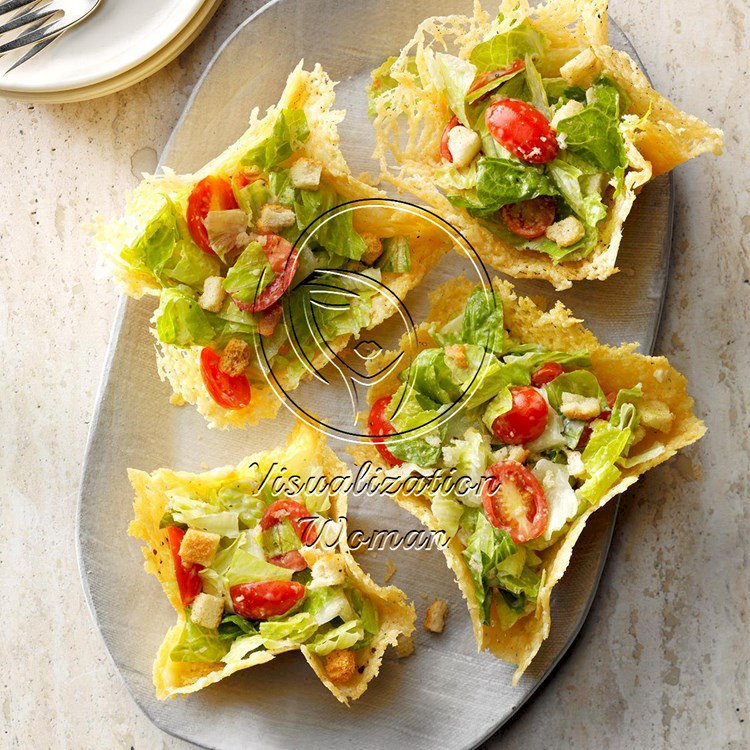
(39, 22)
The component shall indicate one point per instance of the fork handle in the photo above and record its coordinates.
(9, 5)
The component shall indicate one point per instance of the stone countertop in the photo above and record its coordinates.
(662, 660)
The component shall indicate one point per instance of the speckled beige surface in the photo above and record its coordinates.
(662, 661)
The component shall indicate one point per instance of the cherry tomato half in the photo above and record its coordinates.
(546, 374)
(522, 129)
(210, 194)
(264, 599)
(292, 560)
(228, 391)
(295, 513)
(445, 152)
(526, 419)
(530, 219)
(514, 501)
(244, 178)
(283, 260)
(377, 425)
(188, 581)
(492, 75)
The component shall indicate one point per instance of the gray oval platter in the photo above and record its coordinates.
(446, 695)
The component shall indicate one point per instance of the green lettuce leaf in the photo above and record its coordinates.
(502, 49)
(486, 548)
(181, 321)
(286, 631)
(504, 181)
(396, 256)
(594, 133)
(198, 644)
(453, 76)
(579, 382)
(342, 637)
(606, 445)
(328, 603)
(250, 275)
(289, 132)
(337, 234)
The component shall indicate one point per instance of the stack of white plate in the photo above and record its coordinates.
(122, 43)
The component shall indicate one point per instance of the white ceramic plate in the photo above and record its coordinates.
(446, 695)
(119, 36)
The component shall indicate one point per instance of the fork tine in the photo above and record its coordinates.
(9, 5)
(35, 50)
(30, 37)
(30, 16)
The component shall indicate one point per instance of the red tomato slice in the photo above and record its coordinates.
(264, 599)
(526, 419)
(445, 152)
(188, 581)
(228, 391)
(269, 319)
(210, 194)
(522, 129)
(514, 501)
(484, 78)
(530, 218)
(292, 560)
(295, 513)
(283, 260)
(378, 425)
(546, 374)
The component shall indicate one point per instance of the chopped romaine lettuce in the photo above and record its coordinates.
(502, 49)
(181, 321)
(396, 256)
(562, 500)
(504, 181)
(342, 637)
(289, 132)
(250, 275)
(281, 632)
(594, 133)
(198, 644)
(453, 76)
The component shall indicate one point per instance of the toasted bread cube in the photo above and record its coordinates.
(434, 619)
(457, 352)
(464, 144)
(565, 232)
(404, 646)
(328, 571)
(207, 610)
(575, 406)
(236, 357)
(274, 218)
(656, 415)
(341, 666)
(213, 295)
(374, 248)
(568, 109)
(199, 546)
(305, 173)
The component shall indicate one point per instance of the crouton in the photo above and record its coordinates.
(565, 232)
(207, 610)
(374, 248)
(199, 546)
(434, 619)
(464, 144)
(575, 464)
(568, 109)
(515, 453)
(328, 571)
(305, 173)
(341, 666)
(404, 646)
(457, 352)
(236, 357)
(274, 218)
(580, 407)
(213, 295)
(656, 414)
